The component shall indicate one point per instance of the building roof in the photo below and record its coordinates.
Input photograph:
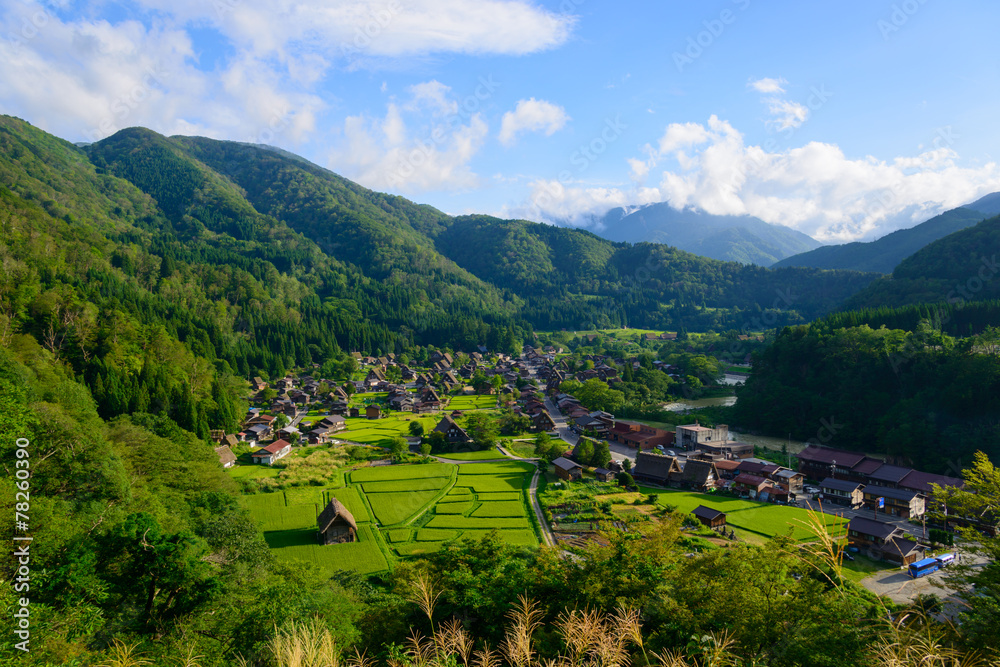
(707, 513)
(747, 478)
(900, 546)
(565, 464)
(921, 481)
(888, 492)
(695, 427)
(727, 465)
(655, 466)
(840, 485)
(866, 466)
(699, 472)
(891, 474)
(826, 456)
(274, 447)
(871, 527)
(334, 509)
(225, 454)
(785, 474)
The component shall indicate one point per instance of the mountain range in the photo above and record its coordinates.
(731, 238)
(885, 253)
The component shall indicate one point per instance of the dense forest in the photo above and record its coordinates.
(921, 396)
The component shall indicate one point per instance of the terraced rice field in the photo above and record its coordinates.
(463, 522)
(412, 471)
(393, 508)
(500, 508)
(427, 484)
(488, 483)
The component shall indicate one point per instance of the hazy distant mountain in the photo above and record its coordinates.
(884, 254)
(743, 239)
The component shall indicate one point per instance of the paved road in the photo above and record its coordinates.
(901, 589)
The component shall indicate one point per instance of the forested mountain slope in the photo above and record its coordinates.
(884, 254)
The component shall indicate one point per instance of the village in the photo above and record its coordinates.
(592, 471)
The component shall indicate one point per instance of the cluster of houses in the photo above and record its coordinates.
(858, 481)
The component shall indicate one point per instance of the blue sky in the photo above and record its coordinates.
(844, 120)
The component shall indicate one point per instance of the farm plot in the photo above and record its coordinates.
(499, 495)
(497, 468)
(393, 508)
(518, 537)
(414, 471)
(462, 522)
(481, 455)
(426, 484)
(488, 483)
(472, 402)
(454, 508)
(363, 556)
(398, 535)
(352, 501)
(271, 512)
(770, 520)
(500, 508)
(436, 535)
(459, 491)
(418, 548)
(381, 431)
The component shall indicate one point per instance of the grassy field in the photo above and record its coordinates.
(363, 556)
(484, 455)
(415, 471)
(472, 403)
(465, 522)
(387, 486)
(453, 508)
(764, 519)
(398, 535)
(500, 508)
(393, 508)
(487, 483)
(382, 431)
(500, 495)
(504, 468)
(253, 471)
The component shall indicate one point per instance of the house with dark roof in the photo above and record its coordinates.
(336, 524)
(883, 541)
(709, 517)
(823, 462)
(888, 475)
(923, 481)
(452, 430)
(904, 503)
(696, 475)
(566, 469)
(842, 492)
(655, 468)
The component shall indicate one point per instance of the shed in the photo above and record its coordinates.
(710, 517)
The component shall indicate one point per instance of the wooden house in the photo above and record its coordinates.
(226, 456)
(271, 453)
(452, 430)
(336, 524)
(566, 469)
(842, 492)
(655, 468)
(373, 412)
(712, 518)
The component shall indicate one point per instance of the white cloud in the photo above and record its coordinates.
(768, 86)
(532, 116)
(813, 188)
(85, 80)
(415, 147)
(362, 29)
(787, 114)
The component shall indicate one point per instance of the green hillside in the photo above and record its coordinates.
(884, 254)
(958, 268)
